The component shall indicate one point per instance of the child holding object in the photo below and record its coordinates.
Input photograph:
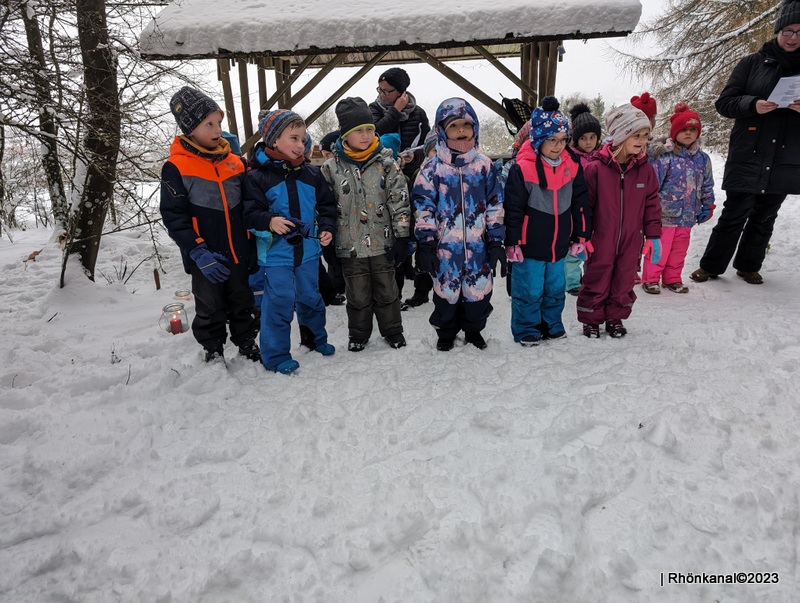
(687, 198)
(623, 194)
(458, 206)
(290, 209)
(201, 205)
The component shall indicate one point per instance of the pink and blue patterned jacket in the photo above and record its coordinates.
(686, 184)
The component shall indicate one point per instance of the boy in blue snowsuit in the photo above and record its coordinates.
(290, 209)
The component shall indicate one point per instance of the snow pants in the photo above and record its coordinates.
(371, 290)
(747, 219)
(674, 245)
(470, 316)
(607, 289)
(537, 296)
(217, 304)
(288, 289)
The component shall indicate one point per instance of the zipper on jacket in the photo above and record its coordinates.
(227, 215)
(463, 220)
(621, 200)
(555, 221)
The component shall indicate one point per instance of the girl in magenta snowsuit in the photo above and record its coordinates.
(623, 194)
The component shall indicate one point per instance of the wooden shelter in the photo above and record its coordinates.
(325, 35)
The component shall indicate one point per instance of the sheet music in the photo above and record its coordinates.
(786, 91)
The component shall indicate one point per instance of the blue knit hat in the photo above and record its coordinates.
(547, 121)
(275, 122)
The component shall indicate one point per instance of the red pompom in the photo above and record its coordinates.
(681, 107)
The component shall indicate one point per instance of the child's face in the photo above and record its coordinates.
(209, 132)
(588, 142)
(360, 138)
(686, 137)
(553, 146)
(636, 142)
(459, 129)
(291, 141)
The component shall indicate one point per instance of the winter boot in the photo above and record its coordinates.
(615, 329)
(396, 341)
(652, 288)
(677, 287)
(476, 339)
(307, 337)
(754, 278)
(530, 341)
(250, 350)
(356, 345)
(591, 331)
(212, 355)
(701, 276)
(445, 344)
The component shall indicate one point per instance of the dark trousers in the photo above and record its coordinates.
(747, 220)
(217, 304)
(449, 319)
(371, 290)
(335, 274)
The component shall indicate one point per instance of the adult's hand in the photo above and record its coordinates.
(795, 106)
(401, 102)
(763, 106)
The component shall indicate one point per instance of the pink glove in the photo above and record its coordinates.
(582, 247)
(514, 253)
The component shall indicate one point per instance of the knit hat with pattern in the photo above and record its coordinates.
(274, 123)
(624, 121)
(190, 107)
(546, 121)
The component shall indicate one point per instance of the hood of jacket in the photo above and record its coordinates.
(460, 109)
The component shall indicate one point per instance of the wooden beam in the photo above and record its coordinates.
(552, 67)
(224, 75)
(524, 88)
(462, 82)
(543, 58)
(262, 82)
(244, 97)
(345, 87)
(321, 73)
(287, 84)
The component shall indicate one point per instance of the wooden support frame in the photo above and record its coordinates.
(244, 94)
(462, 82)
(523, 87)
(552, 67)
(262, 81)
(224, 75)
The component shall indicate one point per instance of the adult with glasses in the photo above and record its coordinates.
(763, 164)
(396, 110)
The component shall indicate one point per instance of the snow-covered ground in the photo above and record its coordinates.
(578, 471)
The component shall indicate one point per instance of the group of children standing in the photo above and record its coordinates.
(568, 197)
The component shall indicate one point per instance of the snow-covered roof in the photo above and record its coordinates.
(210, 28)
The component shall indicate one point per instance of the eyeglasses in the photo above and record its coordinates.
(790, 33)
(556, 141)
(383, 92)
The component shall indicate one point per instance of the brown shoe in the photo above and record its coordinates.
(754, 278)
(701, 276)
(652, 288)
(677, 287)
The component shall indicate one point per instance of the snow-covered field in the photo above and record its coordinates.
(578, 471)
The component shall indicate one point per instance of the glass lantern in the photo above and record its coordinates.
(174, 318)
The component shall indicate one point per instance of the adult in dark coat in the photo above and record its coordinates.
(763, 156)
(396, 110)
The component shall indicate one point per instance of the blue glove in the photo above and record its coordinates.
(705, 213)
(427, 260)
(300, 231)
(399, 251)
(211, 264)
(497, 254)
(652, 250)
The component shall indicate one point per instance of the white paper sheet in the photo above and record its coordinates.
(786, 91)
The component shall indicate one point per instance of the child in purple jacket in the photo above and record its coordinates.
(623, 195)
(687, 198)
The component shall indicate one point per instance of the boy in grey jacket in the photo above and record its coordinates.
(372, 232)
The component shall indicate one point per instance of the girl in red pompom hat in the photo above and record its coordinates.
(686, 189)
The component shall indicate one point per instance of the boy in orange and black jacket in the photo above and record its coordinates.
(201, 205)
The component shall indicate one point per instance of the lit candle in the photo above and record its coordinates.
(175, 325)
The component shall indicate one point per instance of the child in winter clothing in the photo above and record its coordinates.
(201, 205)
(458, 206)
(547, 212)
(373, 224)
(623, 193)
(290, 209)
(687, 198)
(585, 140)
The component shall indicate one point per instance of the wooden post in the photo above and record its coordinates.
(244, 92)
(552, 67)
(262, 82)
(543, 58)
(224, 75)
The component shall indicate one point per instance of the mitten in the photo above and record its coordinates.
(706, 213)
(399, 251)
(300, 231)
(497, 254)
(427, 260)
(582, 247)
(514, 253)
(652, 250)
(211, 264)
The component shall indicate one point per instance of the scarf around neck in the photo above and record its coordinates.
(361, 156)
(789, 62)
